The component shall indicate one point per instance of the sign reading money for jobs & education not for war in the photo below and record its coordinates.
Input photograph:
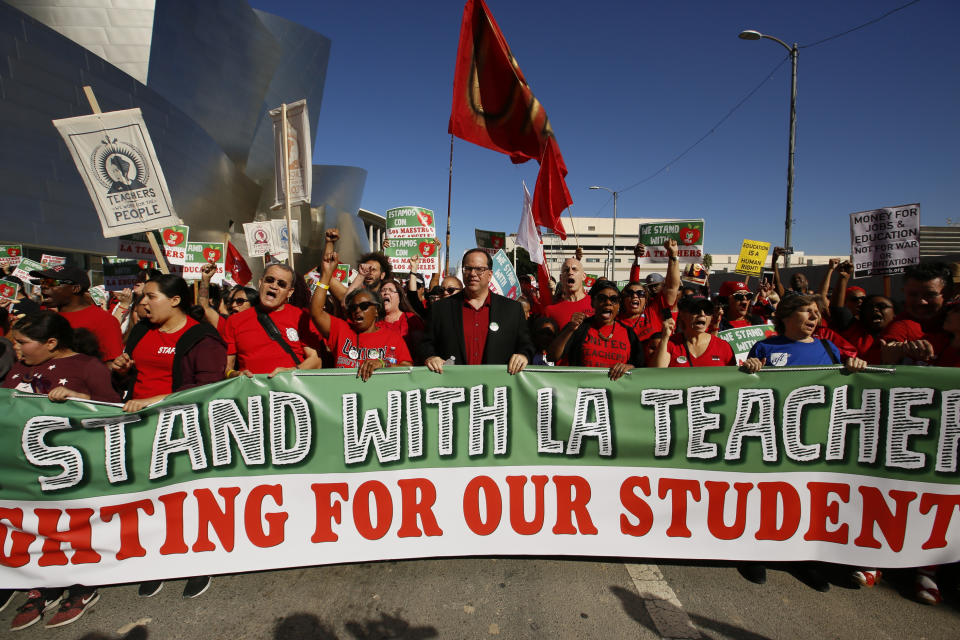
(687, 233)
(115, 157)
(885, 241)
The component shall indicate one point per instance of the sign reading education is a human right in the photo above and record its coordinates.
(885, 241)
(115, 157)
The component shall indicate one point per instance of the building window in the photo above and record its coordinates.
(593, 259)
(591, 228)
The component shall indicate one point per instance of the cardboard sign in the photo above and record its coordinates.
(48, 260)
(412, 230)
(687, 233)
(115, 157)
(174, 243)
(696, 273)
(885, 241)
(199, 254)
(401, 250)
(260, 238)
(120, 275)
(9, 290)
(10, 254)
(753, 254)
(504, 280)
(410, 222)
(491, 241)
(279, 237)
(134, 247)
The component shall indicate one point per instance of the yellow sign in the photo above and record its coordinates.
(752, 256)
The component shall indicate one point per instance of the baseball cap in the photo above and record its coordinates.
(64, 273)
(731, 287)
(654, 278)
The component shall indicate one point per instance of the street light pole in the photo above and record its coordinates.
(613, 260)
(788, 224)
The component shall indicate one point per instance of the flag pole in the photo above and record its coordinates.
(286, 182)
(446, 262)
(575, 236)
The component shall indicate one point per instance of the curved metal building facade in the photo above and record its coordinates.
(204, 93)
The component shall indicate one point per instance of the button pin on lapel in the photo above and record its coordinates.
(494, 326)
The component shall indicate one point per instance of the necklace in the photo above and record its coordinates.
(606, 338)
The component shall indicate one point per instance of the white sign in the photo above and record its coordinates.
(260, 238)
(116, 159)
(885, 241)
(48, 260)
(279, 250)
(300, 155)
(199, 255)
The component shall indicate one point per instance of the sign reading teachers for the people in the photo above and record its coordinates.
(115, 157)
(885, 241)
(262, 473)
(687, 233)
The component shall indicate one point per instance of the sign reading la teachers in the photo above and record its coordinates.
(116, 159)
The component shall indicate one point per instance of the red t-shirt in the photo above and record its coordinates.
(949, 357)
(561, 312)
(606, 346)
(718, 353)
(409, 326)
(650, 321)
(79, 372)
(904, 328)
(352, 348)
(476, 324)
(153, 357)
(867, 345)
(103, 325)
(256, 351)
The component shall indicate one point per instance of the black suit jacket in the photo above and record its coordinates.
(444, 338)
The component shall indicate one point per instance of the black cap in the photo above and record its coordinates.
(66, 274)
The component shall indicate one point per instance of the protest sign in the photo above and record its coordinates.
(99, 295)
(279, 238)
(742, 339)
(696, 273)
(134, 247)
(753, 254)
(198, 255)
(885, 241)
(260, 238)
(10, 254)
(300, 155)
(589, 280)
(402, 249)
(687, 233)
(491, 241)
(504, 279)
(115, 157)
(175, 243)
(120, 275)
(9, 290)
(24, 267)
(410, 222)
(48, 260)
(712, 463)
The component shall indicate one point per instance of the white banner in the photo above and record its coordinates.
(885, 241)
(300, 154)
(116, 159)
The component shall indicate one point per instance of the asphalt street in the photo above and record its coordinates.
(507, 598)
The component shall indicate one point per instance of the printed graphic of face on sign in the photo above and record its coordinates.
(689, 236)
(172, 237)
(211, 254)
(589, 281)
(427, 248)
(260, 236)
(425, 218)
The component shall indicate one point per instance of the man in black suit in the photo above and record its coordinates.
(477, 326)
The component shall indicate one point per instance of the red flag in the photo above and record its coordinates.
(237, 266)
(494, 107)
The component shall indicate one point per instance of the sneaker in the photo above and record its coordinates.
(150, 588)
(195, 586)
(6, 597)
(754, 572)
(811, 575)
(925, 590)
(33, 609)
(866, 577)
(72, 608)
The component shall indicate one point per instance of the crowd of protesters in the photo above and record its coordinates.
(152, 340)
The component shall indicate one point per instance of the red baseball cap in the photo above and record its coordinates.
(730, 287)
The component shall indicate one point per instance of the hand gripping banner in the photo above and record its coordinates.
(252, 474)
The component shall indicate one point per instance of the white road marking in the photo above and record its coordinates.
(662, 603)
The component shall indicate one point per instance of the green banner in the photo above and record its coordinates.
(260, 473)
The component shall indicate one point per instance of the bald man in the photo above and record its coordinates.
(573, 297)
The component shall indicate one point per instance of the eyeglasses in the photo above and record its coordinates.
(741, 296)
(283, 284)
(634, 293)
(363, 306)
(857, 299)
(50, 282)
(477, 270)
(452, 290)
(234, 301)
(602, 298)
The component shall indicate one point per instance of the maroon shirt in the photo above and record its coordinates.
(476, 323)
(79, 372)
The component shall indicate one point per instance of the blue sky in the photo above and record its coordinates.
(629, 85)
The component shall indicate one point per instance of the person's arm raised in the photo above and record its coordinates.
(318, 311)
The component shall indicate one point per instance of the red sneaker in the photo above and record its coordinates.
(32, 610)
(72, 608)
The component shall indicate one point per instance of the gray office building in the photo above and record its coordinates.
(204, 74)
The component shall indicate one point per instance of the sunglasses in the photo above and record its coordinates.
(603, 298)
(283, 284)
(452, 290)
(363, 306)
(234, 301)
(741, 296)
(50, 282)
(634, 293)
